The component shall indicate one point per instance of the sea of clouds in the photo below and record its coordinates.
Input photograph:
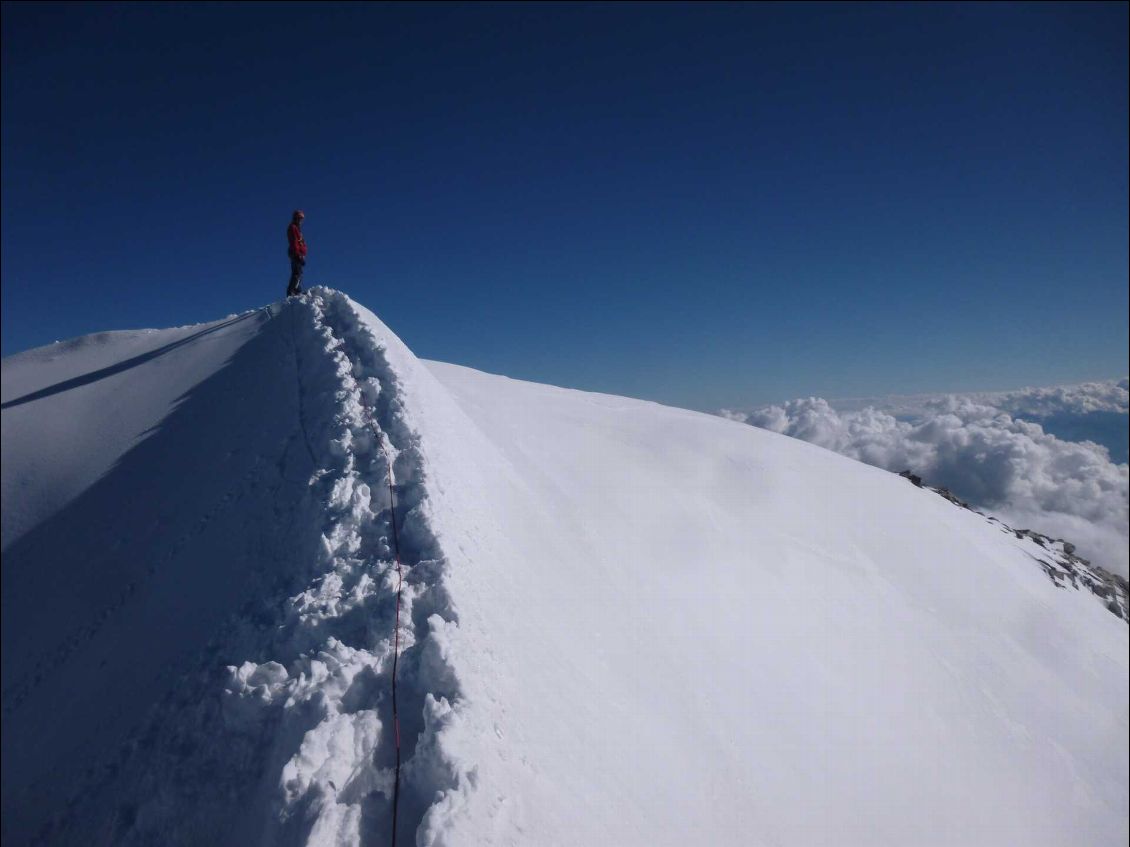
(1048, 459)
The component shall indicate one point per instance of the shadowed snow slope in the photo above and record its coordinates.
(622, 623)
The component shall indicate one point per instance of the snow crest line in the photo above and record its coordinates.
(328, 688)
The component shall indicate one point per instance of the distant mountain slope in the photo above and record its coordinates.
(621, 622)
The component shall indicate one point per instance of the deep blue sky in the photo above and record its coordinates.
(704, 205)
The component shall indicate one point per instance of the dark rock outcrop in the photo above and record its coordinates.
(1056, 557)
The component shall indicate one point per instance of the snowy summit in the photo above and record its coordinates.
(618, 622)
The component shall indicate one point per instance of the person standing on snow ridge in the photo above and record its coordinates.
(296, 250)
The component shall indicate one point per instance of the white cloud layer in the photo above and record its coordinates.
(980, 448)
(1082, 399)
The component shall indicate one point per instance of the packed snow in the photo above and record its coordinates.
(621, 623)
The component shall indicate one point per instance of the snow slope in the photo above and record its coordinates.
(622, 623)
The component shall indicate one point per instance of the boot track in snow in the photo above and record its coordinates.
(334, 676)
(296, 742)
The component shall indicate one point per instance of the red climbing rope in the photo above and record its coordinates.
(395, 643)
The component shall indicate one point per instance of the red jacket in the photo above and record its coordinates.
(296, 244)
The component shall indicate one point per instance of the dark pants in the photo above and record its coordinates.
(297, 265)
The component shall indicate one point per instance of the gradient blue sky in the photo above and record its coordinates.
(704, 205)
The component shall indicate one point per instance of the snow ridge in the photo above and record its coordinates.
(331, 673)
(283, 735)
(241, 695)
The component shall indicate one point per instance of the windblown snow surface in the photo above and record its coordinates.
(622, 623)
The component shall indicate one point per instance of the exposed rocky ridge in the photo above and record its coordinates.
(1056, 556)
